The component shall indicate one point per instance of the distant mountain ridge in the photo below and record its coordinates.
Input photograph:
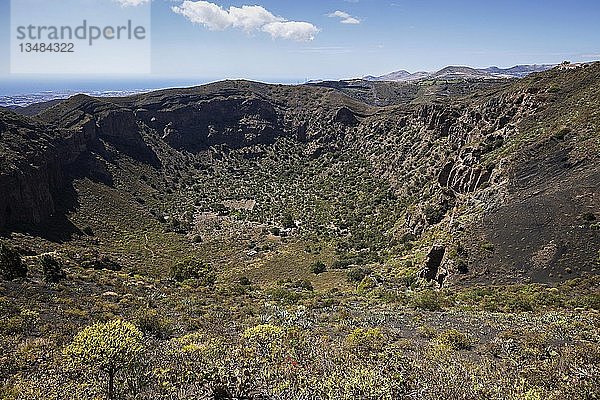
(463, 72)
(519, 71)
(393, 76)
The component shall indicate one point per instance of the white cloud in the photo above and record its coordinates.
(299, 31)
(340, 14)
(246, 18)
(250, 18)
(208, 14)
(351, 21)
(132, 3)
(344, 17)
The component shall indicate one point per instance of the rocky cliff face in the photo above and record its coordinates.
(235, 122)
(471, 166)
(35, 160)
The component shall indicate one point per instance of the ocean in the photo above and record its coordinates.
(23, 92)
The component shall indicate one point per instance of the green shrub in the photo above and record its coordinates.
(318, 268)
(193, 270)
(345, 263)
(52, 269)
(429, 300)
(454, 339)
(151, 322)
(554, 89)
(263, 334)
(11, 265)
(434, 215)
(284, 295)
(482, 298)
(264, 340)
(590, 302)
(427, 331)
(365, 340)
(23, 322)
(519, 303)
(562, 133)
(408, 276)
(110, 348)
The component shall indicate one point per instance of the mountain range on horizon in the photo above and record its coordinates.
(462, 72)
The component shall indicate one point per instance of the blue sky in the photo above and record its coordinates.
(379, 36)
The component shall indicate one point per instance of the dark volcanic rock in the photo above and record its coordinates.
(538, 232)
(433, 262)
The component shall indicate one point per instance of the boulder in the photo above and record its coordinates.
(434, 259)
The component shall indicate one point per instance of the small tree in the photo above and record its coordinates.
(318, 268)
(11, 265)
(109, 348)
